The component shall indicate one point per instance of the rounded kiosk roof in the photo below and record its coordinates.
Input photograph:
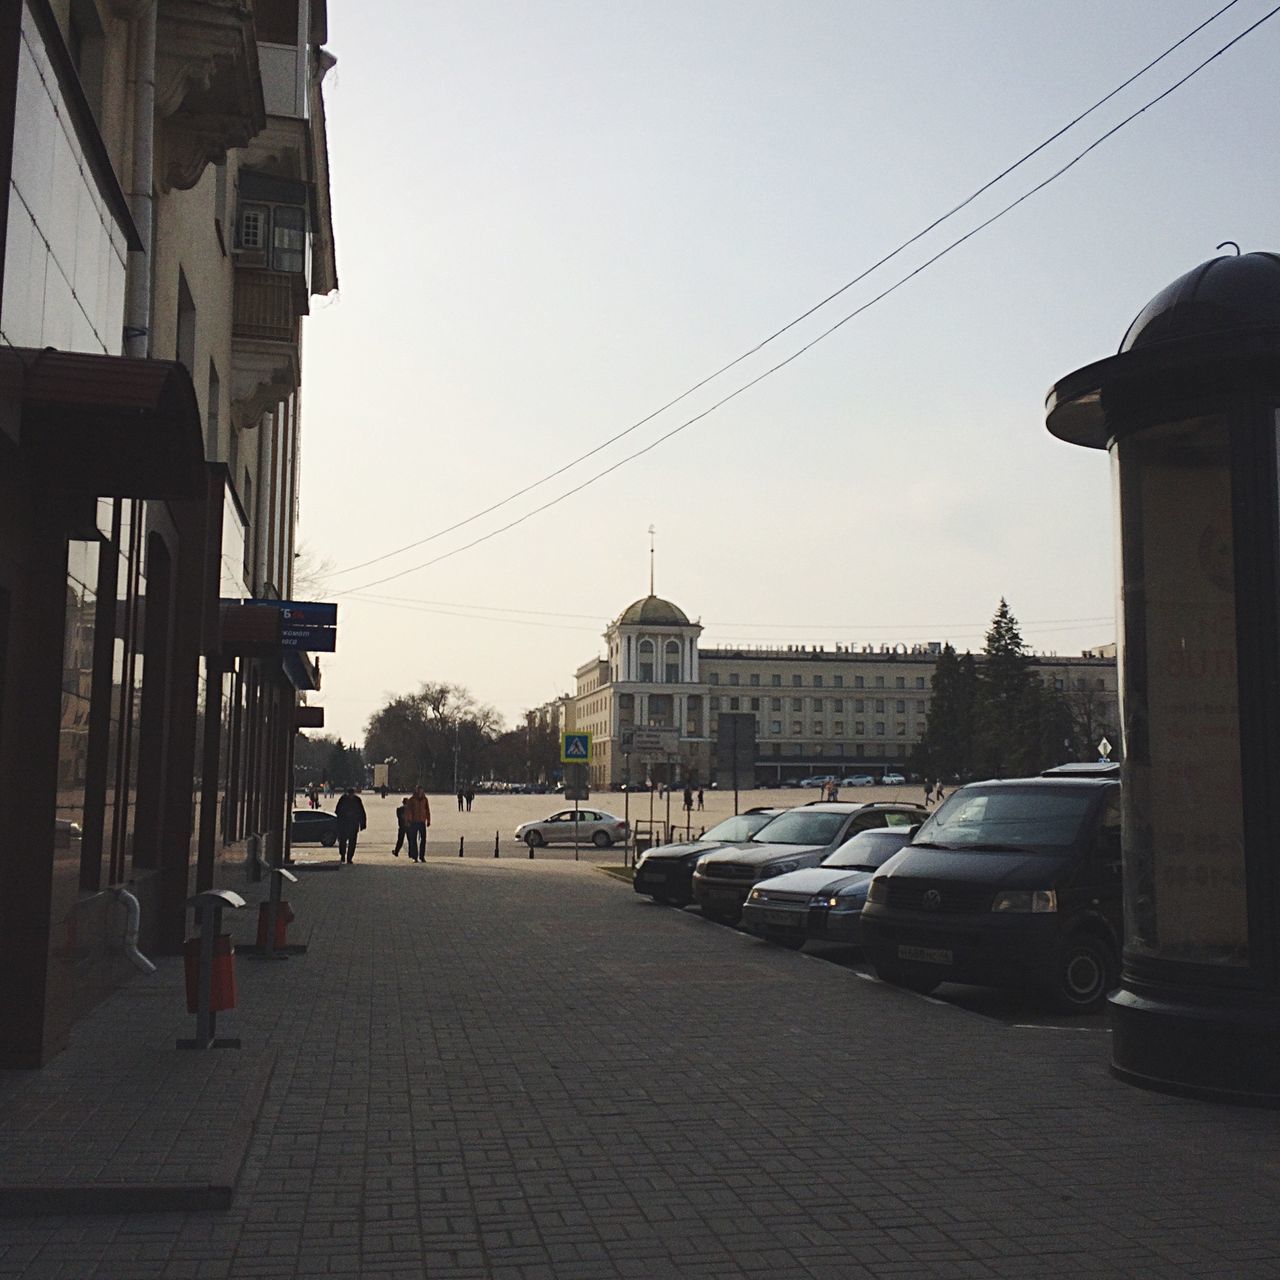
(655, 611)
(1214, 328)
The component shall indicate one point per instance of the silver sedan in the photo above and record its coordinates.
(583, 825)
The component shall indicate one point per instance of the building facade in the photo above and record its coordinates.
(806, 709)
(164, 206)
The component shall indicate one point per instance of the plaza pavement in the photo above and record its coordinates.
(502, 1068)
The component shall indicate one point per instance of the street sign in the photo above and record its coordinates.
(1104, 750)
(313, 639)
(577, 782)
(308, 613)
(575, 748)
(651, 743)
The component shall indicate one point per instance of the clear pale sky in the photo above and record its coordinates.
(553, 218)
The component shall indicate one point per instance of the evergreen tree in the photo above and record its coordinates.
(949, 728)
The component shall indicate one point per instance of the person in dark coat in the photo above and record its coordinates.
(402, 831)
(351, 821)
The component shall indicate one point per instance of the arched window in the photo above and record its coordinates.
(646, 655)
(671, 662)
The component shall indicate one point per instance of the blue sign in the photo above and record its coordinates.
(575, 748)
(305, 613)
(313, 639)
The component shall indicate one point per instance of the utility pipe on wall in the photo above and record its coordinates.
(137, 320)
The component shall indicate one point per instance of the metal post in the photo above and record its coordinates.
(461, 842)
(666, 832)
(626, 807)
(495, 844)
(575, 830)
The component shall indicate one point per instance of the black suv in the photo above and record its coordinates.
(1009, 884)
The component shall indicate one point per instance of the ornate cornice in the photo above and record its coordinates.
(263, 375)
(208, 88)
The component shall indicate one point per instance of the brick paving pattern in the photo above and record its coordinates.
(521, 1070)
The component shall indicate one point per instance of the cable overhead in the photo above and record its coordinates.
(759, 346)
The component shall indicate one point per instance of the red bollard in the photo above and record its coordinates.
(284, 917)
(222, 982)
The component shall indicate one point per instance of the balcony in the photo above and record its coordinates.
(265, 333)
(269, 304)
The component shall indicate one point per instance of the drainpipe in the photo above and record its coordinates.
(131, 930)
(137, 321)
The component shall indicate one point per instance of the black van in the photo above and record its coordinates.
(1008, 884)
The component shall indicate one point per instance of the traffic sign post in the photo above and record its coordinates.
(575, 748)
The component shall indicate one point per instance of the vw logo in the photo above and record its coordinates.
(932, 900)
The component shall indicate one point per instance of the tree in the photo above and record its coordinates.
(440, 737)
(325, 758)
(950, 726)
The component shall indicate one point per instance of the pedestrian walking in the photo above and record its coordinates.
(937, 795)
(928, 792)
(351, 821)
(401, 830)
(700, 804)
(417, 818)
(462, 799)
(469, 795)
(688, 799)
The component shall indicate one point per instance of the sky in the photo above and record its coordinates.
(553, 219)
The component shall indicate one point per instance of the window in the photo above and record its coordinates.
(919, 708)
(755, 704)
(733, 704)
(251, 231)
(879, 704)
(859, 729)
(797, 704)
(859, 704)
(900, 707)
(837, 704)
(817, 682)
(1059, 684)
(733, 677)
(838, 728)
(289, 245)
(775, 726)
(902, 730)
(817, 728)
(715, 704)
(713, 677)
(817, 704)
(839, 682)
(775, 681)
(671, 662)
(858, 682)
(186, 336)
(755, 681)
(879, 728)
(879, 682)
(900, 682)
(645, 653)
(775, 704)
(276, 21)
(919, 682)
(797, 727)
(797, 681)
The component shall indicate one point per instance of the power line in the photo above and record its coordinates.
(759, 346)
(826, 333)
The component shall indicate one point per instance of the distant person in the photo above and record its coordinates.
(700, 798)
(833, 790)
(688, 799)
(469, 795)
(462, 799)
(351, 821)
(382, 791)
(937, 795)
(928, 792)
(401, 829)
(417, 818)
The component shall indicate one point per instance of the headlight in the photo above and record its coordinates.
(782, 868)
(879, 890)
(756, 895)
(1024, 900)
(832, 900)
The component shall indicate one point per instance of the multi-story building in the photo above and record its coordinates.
(164, 208)
(797, 709)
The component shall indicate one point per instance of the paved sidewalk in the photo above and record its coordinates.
(511, 1069)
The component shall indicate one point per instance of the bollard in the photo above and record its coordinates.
(208, 957)
(461, 841)
(495, 844)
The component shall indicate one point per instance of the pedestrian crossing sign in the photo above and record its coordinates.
(575, 748)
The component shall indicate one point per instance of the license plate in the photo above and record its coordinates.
(930, 955)
(787, 919)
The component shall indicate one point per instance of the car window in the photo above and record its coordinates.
(866, 821)
(867, 849)
(801, 826)
(1031, 818)
(901, 819)
(740, 827)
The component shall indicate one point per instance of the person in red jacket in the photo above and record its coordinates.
(417, 818)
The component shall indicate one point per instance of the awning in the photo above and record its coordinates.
(104, 426)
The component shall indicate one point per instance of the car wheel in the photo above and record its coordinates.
(329, 839)
(533, 839)
(909, 980)
(601, 840)
(1086, 972)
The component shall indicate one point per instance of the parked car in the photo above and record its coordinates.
(819, 780)
(823, 903)
(1009, 884)
(858, 780)
(311, 826)
(584, 825)
(665, 873)
(893, 780)
(794, 839)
